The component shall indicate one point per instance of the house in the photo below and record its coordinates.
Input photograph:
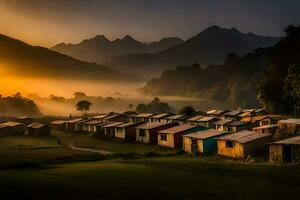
(101, 117)
(260, 111)
(160, 117)
(270, 129)
(143, 117)
(217, 113)
(91, 125)
(25, 120)
(203, 142)
(234, 115)
(181, 119)
(126, 131)
(72, 125)
(291, 125)
(172, 137)
(243, 144)
(38, 129)
(285, 151)
(193, 120)
(58, 125)
(12, 128)
(220, 125)
(236, 126)
(208, 122)
(109, 129)
(147, 132)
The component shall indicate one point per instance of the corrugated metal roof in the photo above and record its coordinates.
(177, 129)
(211, 111)
(223, 121)
(233, 113)
(195, 118)
(206, 119)
(244, 136)
(175, 116)
(75, 120)
(101, 116)
(266, 126)
(58, 122)
(292, 140)
(112, 116)
(245, 114)
(37, 125)
(144, 115)
(220, 112)
(93, 122)
(161, 115)
(10, 124)
(127, 124)
(152, 125)
(205, 134)
(236, 123)
(112, 124)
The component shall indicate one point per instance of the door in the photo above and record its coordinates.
(194, 147)
(287, 152)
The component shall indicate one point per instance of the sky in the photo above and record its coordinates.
(48, 22)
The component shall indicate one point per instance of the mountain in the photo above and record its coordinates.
(100, 49)
(233, 83)
(208, 47)
(19, 58)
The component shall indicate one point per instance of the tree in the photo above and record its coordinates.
(84, 106)
(278, 90)
(155, 106)
(187, 110)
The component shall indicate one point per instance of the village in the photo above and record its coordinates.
(239, 134)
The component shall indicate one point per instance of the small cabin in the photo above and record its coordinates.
(193, 121)
(159, 118)
(101, 117)
(236, 126)
(291, 125)
(58, 125)
(270, 129)
(147, 133)
(181, 119)
(217, 113)
(109, 129)
(115, 118)
(127, 131)
(173, 137)
(142, 117)
(234, 115)
(38, 129)
(72, 125)
(243, 144)
(221, 124)
(285, 151)
(91, 126)
(12, 128)
(208, 122)
(202, 142)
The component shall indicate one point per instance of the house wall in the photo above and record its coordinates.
(120, 133)
(167, 143)
(236, 152)
(187, 144)
(143, 139)
(275, 153)
(257, 146)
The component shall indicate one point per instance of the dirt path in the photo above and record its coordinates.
(102, 152)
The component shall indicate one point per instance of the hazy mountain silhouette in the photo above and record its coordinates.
(19, 58)
(100, 49)
(208, 47)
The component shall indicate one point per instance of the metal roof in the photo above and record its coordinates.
(37, 125)
(112, 116)
(236, 123)
(233, 113)
(152, 125)
(144, 115)
(10, 124)
(289, 121)
(244, 136)
(265, 126)
(101, 116)
(211, 111)
(93, 122)
(223, 121)
(177, 129)
(58, 122)
(112, 124)
(75, 120)
(175, 116)
(195, 118)
(128, 124)
(161, 115)
(205, 134)
(292, 140)
(206, 119)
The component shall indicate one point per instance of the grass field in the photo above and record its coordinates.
(163, 176)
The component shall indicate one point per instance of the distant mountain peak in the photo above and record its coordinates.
(129, 38)
(101, 37)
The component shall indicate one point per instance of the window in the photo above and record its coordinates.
(229, 144)
(142, 133)
(163, 137)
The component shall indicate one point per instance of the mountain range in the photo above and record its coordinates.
(100, 49)
(21, 59)
(208, 47)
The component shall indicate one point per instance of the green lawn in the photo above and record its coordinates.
(60, 173)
